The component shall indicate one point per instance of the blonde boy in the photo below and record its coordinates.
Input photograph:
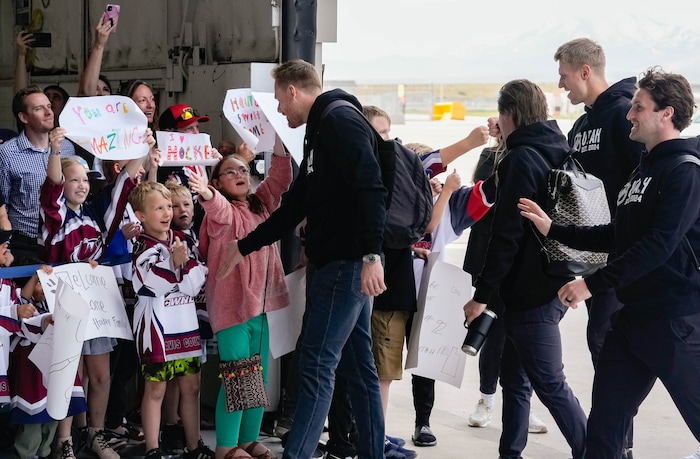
(168, 275)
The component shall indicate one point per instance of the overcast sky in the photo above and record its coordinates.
(449, 33)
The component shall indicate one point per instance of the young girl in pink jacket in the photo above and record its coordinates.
(237, 303)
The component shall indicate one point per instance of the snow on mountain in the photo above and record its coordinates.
(632, 43)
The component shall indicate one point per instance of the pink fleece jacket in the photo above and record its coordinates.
(240, 296)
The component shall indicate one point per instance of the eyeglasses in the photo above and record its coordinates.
(232, 173)
(187, 114)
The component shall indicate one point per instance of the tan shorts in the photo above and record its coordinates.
(388, 336)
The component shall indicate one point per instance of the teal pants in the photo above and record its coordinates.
(237, 342)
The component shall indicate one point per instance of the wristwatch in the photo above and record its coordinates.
(371, 258)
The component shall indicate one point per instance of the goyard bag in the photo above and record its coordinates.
(574, 197)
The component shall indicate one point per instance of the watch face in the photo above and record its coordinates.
(371, 258)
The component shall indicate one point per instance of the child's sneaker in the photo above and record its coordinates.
(394, 451)
(172, 438)
(64, 450)
(154, 453)
(127, 432)
(98, 445)
(201, 452)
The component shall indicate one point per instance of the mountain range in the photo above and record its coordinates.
(631, 43)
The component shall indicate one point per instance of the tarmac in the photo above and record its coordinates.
(659, 430)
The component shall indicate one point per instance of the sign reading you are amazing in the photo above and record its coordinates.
(109, 127)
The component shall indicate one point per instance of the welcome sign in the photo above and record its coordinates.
(248, 119)
(109, 127)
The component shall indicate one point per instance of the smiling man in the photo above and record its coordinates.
(23, 161)
(656, 234)
(603, 146)
(340, 192)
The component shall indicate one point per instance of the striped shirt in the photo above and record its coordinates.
(22, 172)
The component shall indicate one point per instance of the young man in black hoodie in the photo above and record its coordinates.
(656, 233)
(339, 190)
(515, 266)
(601, 140)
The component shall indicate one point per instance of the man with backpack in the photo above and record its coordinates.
(340, 192)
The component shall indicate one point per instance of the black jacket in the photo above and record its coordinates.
(514, 262)
(655, 274)
(339, 188)
(601, 139)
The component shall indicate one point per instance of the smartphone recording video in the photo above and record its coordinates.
(41, 40)
(112, 16)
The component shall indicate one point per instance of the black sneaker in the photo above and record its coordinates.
(172, 438)
(201, 452)
(154, 453)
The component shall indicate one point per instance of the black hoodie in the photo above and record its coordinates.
(514, 262)
(601, 139)
(655, 274)
(339, 188)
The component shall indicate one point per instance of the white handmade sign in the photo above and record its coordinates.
(98, 287)
(109, 127)
(180, 149)
(437, 333)
(285, 323)
(248, 120)
(59, 363)
(293, 138)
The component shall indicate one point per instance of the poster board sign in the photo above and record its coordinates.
(59, 363)
(293, 138)
(98, 287)
(109, 127)
(285, 323)
(248, 119)
(437, 333)
(181, 149)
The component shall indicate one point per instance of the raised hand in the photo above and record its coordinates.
(198, 184)
(179, 253)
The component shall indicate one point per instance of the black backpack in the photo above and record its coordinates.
(410, 201)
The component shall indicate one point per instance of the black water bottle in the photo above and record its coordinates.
(477, 331)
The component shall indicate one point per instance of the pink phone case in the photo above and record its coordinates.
(112, 14)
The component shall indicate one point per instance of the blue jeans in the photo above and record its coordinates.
(336, 335)
(532, 359)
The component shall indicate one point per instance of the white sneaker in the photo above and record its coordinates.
(695, 455)
(481, 417)
(536, 425)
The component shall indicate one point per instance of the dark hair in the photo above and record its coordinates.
(129, 88)
(19, 105)
(254, 202)
(57, 88)
(524, 101)
(106, 81)
(670, 90)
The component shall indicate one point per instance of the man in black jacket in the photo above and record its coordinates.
(340, 192)
(601, 140)
(515, 266)
(656, 233)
